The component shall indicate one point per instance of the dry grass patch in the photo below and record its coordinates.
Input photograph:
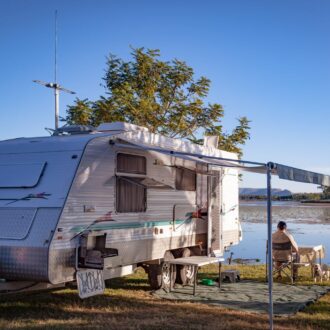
(128, 304)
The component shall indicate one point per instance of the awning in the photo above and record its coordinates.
(296, 174)
(215, 157)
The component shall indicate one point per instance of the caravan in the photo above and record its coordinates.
(101, 202)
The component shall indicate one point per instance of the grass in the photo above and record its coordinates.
(128, 304)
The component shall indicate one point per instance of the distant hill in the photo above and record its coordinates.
(263, 192)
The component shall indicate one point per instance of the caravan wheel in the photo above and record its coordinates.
(159, 275)
(186, 274)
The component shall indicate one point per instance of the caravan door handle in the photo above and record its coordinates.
(230, 210)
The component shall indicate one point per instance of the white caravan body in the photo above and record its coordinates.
(109, 199)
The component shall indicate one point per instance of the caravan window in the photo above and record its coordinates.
(21, 175)
(185, 179)
(127, 163)
(131, 194)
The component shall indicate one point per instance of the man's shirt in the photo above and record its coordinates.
(283, 237)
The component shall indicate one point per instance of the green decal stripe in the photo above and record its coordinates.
(127, 225)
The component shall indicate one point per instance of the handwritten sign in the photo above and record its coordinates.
(90, 282)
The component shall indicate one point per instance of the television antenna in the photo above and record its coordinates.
(54, 85)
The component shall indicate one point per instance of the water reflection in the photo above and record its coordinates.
(309, 224)
(290, 211)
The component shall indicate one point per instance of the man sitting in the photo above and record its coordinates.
(281, 256)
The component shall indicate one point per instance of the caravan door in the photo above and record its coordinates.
(231, 232)
(224, 228)
(214, 206)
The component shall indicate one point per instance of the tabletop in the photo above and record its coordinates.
(196, 261)
(311, 252)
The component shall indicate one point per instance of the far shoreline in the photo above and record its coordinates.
(304, 201)
(311, 201)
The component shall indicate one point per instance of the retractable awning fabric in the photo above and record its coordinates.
(212, 156)
(298, 175)
(186, 151)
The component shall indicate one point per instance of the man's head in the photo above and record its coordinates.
(281, 225)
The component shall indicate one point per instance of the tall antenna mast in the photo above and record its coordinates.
(55, 48)
(57, 88)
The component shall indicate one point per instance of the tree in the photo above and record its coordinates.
(163, 96)
(80, 113)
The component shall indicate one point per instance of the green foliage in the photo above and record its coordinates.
(264, 198)
(306, 196)
(324, 196)
(79, 113)
(326, 193)
(163, 96)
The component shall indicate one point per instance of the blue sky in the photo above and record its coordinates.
(267, 60)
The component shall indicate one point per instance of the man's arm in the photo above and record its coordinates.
(293, 242)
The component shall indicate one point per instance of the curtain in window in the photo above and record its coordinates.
(131, 164)
(185, 179)
(131, 197)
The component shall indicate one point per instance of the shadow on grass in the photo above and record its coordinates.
(128, 283)
(132, 312)
(127, 304)
(117, 313)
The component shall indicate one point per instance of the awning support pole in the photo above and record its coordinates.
(269, 240)
(209, 213)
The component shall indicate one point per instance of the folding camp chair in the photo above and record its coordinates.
(288, 267)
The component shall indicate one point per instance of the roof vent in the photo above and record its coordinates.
(120, 126)
(74, 130)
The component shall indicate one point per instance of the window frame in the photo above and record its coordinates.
(144, 173)
(181, 168)
(120, 175)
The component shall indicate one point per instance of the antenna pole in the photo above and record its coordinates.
(56, 91)
(57, 101)
(55, 57)
(57, 87)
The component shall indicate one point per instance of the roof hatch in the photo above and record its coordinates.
(120, 126)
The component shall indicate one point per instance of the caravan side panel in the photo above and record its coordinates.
(26, 258)
(138, 237)
(30, 206)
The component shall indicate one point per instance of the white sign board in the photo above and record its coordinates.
(90, 282)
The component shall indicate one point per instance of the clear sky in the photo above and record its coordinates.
(268, 60)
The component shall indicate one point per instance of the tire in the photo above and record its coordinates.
(185, 274)
(154, 276)
(159, 275)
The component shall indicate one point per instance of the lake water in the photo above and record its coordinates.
(308, 223)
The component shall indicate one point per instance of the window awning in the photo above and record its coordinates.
(206, 155)
(145, 182)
